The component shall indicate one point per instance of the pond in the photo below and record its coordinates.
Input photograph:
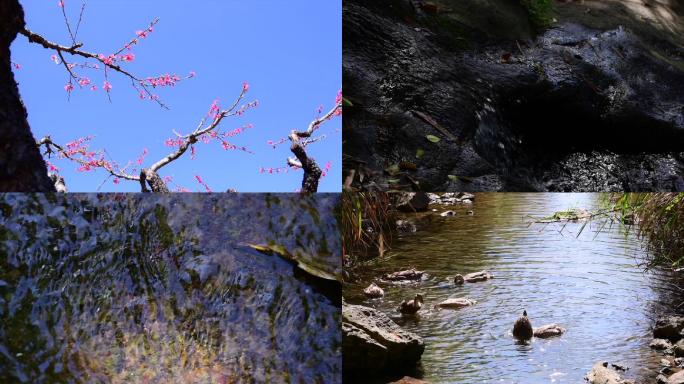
(146, 288)
(589, 280)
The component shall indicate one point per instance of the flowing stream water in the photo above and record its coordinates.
(592, 284)
(161, 289)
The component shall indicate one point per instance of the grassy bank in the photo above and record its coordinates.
(367, 225)
(661, 224)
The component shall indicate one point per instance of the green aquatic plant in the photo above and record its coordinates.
(540, 12)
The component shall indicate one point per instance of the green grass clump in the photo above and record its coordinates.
(540, 12)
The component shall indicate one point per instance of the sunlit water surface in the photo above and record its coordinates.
(591, 284)
(160, 289)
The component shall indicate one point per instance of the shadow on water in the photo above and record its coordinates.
(590, 282)
(147, 288)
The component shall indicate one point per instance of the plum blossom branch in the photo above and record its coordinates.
(108, 61)
(299, 140)
(78, 152)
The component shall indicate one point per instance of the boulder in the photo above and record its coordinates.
(678, 349)
(661, 344)
(669, 327)
(603, 373)
(677, 378)
(409, 274)
(372, 343)
(412, 202)
(456, 303)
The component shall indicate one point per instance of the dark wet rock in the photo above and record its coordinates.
(456, 303)
(679, 362)
(661, 344)
(409, 274)
(661, 379)
(372, 343)
(549, 330)
(670, 328)
(586, 105)
(373, 291)
(412, 202)
(459, 280)
(604, 373)
(478, 276)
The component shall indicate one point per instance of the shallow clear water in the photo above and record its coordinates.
(590, 284)
(149, 288)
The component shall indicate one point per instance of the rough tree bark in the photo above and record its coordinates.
(22, 168)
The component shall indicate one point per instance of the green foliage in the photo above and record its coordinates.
(540, 12)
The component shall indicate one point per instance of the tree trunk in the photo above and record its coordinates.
(22, 168)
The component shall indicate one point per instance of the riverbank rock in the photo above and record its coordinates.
(477, 276)
(549, 330)
(412, 202)
(456, 303)
(677, 378)
(678, 349)
(409, 274)
(670, 327)
(451, 198)
(603, 373)
(372, 343)
(661, 345)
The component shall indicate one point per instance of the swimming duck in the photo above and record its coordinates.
(522, 328)
(374, 291)
(549, 330)
(456, 303)
(409, 274)
(478, 276)
(409, 307)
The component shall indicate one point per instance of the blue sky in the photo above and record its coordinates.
(289, 52)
